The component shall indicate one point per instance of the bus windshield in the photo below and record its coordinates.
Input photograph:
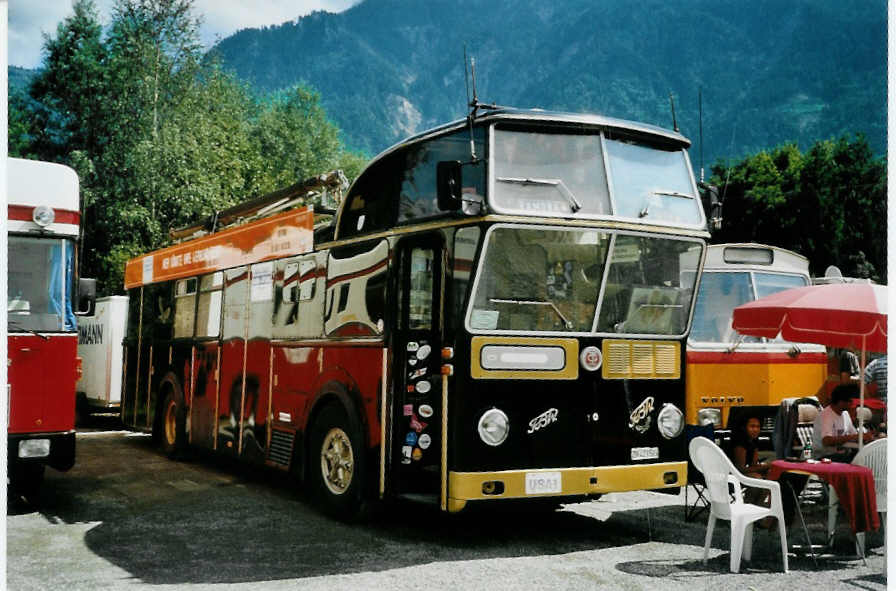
(553, 173)
(549, 280)
(39, 293)
(721, 292)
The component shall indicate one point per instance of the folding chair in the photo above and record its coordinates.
(695, 477)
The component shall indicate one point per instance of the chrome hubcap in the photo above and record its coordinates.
(337, 463)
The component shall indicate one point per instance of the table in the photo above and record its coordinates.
(854, 486)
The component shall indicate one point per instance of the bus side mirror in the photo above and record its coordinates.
(86, 297)
(448, 185)
(712, 205)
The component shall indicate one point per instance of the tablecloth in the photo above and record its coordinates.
(854, 486)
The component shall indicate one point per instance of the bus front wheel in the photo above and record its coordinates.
(173, 426)
(337, 464)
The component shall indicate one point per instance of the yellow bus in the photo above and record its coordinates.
(730, 375)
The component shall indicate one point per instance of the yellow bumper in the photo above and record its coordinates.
(469, 486)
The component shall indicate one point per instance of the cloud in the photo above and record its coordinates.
(224, 17)
(30, 19)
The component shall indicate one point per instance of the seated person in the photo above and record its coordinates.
(744, 455)
(744, 450)
(833, 426)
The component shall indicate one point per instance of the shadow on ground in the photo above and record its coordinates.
(210, 521)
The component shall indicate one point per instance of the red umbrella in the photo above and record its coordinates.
(837, 315)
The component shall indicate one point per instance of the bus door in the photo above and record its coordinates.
(417, 403)
(206, 361)
(233, 355)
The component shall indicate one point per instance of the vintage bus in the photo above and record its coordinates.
(497, 310)
(729, 375)
(42, 336)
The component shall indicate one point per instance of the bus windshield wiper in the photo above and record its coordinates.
(566, 322)
(664, 193)
(18, 326)
(574, 203)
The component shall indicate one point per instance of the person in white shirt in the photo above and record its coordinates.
(833, 426)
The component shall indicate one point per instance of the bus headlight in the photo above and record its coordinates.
(710, 416)
(670, 421)
(43, 215)
(493, 427)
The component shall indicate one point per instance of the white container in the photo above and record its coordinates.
(100, 348)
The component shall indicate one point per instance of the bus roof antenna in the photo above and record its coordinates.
(700, 110)
(472, 103)
(674, 120)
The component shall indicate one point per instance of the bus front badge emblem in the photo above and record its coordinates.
(542, 420)
(639, 420)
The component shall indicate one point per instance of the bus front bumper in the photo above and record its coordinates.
(561, 482)
(57, 450)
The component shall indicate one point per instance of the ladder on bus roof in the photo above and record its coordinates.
(329, 187)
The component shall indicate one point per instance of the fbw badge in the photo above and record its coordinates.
(639, 420)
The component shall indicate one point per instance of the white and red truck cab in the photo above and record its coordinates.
(42, 289)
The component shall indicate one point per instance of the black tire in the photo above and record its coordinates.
(25, 480)
(336, 463)
(82, 410)
(172, 426)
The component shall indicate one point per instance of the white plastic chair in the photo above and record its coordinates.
(873, 456)
(719, 472)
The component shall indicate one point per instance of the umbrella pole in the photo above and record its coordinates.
(862, 395)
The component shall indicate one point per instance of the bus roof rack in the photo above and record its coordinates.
(330, 185)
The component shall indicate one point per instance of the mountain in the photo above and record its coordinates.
(18, 79)
(771, 71)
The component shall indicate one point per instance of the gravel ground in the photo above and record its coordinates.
(126, 517)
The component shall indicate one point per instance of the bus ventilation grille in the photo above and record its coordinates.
(625, 360)
(281, 447)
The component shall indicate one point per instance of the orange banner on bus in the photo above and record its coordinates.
(278, 236)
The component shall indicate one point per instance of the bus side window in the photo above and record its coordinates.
(236, 290)
(158, 312)
(466, 241)
(134, 296)
(261, 300)
(184, 307)
(356, 290)
(371, 204)
(208, 319)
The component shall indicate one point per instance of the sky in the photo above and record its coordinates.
(30, 19)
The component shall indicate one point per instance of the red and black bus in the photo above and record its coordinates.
(498, 309)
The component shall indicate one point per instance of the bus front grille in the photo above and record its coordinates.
(625, 360)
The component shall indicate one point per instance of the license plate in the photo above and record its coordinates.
(542, 483)
(645, 453)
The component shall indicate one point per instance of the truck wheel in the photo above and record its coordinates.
(25, 480)
(336, 466)
(174, 436)
(82, 410)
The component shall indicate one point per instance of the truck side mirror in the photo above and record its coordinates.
(448, 185)
(712, 205)
(86, 297)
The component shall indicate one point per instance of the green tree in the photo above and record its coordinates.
(828, 204)
(67, 111)
(159, 137)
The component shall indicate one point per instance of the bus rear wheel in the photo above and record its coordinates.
(336, 467)
(173, 426)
